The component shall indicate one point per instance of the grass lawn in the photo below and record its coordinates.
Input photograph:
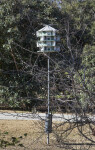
(30, 135)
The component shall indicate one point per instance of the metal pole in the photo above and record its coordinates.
(48, 99)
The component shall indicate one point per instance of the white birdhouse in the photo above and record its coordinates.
(48, 39)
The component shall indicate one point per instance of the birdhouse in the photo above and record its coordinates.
(48, 39)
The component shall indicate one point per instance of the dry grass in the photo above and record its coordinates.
(14, 111)
(36, 138)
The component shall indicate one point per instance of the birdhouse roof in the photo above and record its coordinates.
(47, 28)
